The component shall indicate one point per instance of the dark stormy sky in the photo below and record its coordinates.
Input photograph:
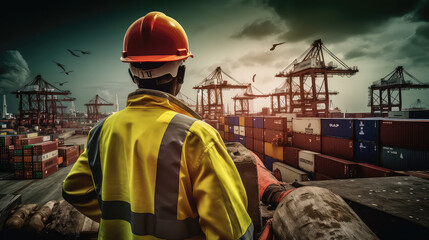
(376, 36)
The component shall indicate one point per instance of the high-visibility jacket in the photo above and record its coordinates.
(154, 171)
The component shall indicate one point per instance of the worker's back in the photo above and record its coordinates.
(159, 171)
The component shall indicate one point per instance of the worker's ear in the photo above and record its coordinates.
(181, 74)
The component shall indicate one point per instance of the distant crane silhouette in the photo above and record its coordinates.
(275, 45)
(72, 53)
(83, 52)
(61, 83)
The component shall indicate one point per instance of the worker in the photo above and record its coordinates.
(154, 169)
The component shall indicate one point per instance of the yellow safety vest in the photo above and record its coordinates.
(154, 171)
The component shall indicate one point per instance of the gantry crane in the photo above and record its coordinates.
(93, 109)
(243, 100)
(38, 102)
(209, 94)
(186, 100)
(386, 94)
(309, 98)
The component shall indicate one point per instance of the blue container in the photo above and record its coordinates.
(230, 121)
(236, 138)
(258, 122)
(268, 162)
(367, 129)
(242, 140)
(236, 121)
(231, 129)
(334, 127)
(367, 152)
(404, 159)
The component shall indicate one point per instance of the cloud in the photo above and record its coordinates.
(14, 71)
(257, 30)
(336, 20)
(417, 47)
(422, 13)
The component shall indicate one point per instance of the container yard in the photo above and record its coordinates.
(310, 167)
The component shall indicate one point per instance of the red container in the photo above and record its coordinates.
(5, 140)
(28, 174)
(230, 137)
(44, 147)
(275, 123)
(221, 133)
(258, 133)
(365, 170)
(307, 141)
(290, 156)
(405, 134)
(41, 166)
(19, 174)
(28, 159)
(70, 160)
(249, 143)
(333, 167)
(258, 146)
(337, 147)
(221, 126)
(321, 177)
(17, 159)
(28, 151)
(248, 132)
(16, 139)
(274, 135)
(49, 171)
(28, 166)
(248, 122)
(32, 140)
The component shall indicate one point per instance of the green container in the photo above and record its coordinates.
(37, 175)
(18, 166)
(17, 152)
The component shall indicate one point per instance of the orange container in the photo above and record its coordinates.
(241, 121)
(273, 151)
(60, 160)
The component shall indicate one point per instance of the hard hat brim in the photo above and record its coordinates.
(155, 58)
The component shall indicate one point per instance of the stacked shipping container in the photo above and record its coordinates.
(306, 134)
(337, 137)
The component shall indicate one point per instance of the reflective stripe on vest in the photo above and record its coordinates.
(164, 223)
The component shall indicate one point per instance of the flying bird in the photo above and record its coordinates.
(61, 83)
(83, 52)
(62, 66)
(253, 78)
(72, 53)
(275, 45)
(67, 72)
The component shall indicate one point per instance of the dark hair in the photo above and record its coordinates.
(155, 83)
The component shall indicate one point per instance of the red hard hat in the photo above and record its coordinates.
(155, 38)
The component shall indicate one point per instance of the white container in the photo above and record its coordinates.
(306, 160)
(241, 131)
(236, 130)
(288, 174)
(399, 114)
(46, 138)
(40, 158)
(306, 125)
(288, 116)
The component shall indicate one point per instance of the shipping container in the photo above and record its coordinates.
(306, 125)
(249, 143)
(241, 121)
(242, 140)
(273, 151)
(236, 136)
(288, 174)
(31, 140)
(16, 139)
(221, 133)
(367, 152)
(404, 159)
(230, 137)
(221, 127)
(236, 121)
(268, 162)
(27, 150)
(405, 134)
(274, 135)
(307, 142)
(258, 146)
(258, 133)
(333, 167)
(231, 128)
(337, 147)
(290, 156)
(222, 120)
(241, 131)
(46, 172)
(41, 166)
(18, 174)
(32, 134)
(226, 128)
(367, 129)
(43, 157)
(248, 132)
(5, 140)
(365, 170)
(231, 120)
(321, 177)
(258, 122)
(236, 130)
(275, 123)
(335, 127)
(306, 160)
(248, 122)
